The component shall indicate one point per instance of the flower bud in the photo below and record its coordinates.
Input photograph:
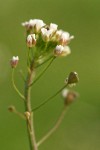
(11, 109)
(46, 34)
(72, 78)
(31, 40)
(14, 61)
(62, 50)
(69, 96)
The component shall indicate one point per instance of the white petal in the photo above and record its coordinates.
(59, 48)
(65, 36)
(65, 92)
(66, 51)
(53, 26)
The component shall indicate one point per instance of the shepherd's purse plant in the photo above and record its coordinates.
(45, 43)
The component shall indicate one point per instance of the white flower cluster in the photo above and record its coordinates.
(63, 38)
(59, 40)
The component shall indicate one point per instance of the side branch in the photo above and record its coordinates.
(50, 98)
(57, 124)
(16, 89)
(44, 62)
(40, 75)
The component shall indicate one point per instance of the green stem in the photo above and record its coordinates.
(16, 89)
(29, 121)
(40, 75)
(57, 124)
(50, 98)
(44, 61)
(28, 58)
(22, 75)
(19, 114)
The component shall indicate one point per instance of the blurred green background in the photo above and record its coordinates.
(80, 129)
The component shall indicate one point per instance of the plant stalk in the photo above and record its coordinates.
(29, 120)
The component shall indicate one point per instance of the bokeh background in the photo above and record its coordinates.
(80, 129)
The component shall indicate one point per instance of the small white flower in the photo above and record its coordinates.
(14, 61)
(58, 50)
(28, 24)
(65, 38)
(66, 51)
(65, 35)
(53, 27)
(37, 24)
(61, 50)
(46, 34)
(31, 40)
(58, 34)
(14, 58)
